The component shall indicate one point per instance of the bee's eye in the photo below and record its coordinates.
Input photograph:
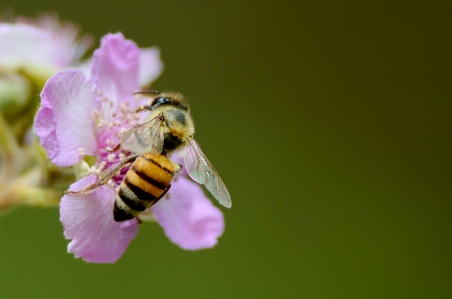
(160, 101)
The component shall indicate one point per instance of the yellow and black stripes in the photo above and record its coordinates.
(146, 182)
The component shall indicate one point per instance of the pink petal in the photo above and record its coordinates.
(115, 69)
(85, 66)
(23, 44)
(188, 217)
(88, 221)
(151, 66)
(63, 122)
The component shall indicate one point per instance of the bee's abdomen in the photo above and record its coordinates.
(143, 186)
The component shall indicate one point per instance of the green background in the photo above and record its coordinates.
(331, 125)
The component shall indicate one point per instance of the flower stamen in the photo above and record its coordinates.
(102, 165)
(81, 151)
(95, 114)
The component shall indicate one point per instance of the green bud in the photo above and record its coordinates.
(15, 92)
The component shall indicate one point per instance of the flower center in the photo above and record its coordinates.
(111, 125)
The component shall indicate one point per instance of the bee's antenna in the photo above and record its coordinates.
(144, 108)
(156, 92)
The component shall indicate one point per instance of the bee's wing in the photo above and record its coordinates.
(202, 171)
(145, 138)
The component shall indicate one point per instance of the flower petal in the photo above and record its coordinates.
(63, 122)
(188, 217)
(151, 66)
(88, 221)
(115, 70)
(24, 44)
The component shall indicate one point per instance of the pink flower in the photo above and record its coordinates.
(81, 117)
(41, 47)
(31, 50)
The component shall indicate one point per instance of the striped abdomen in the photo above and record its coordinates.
(145, 183)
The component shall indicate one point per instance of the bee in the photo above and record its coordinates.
(169, 129)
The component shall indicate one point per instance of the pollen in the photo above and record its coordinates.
(124, 107)
(95, 114)
(111, 157)
(102, 165)
(81, 151)
(130, 117)
(99, 92)
(121, 132)
(92, 170)
(101, 123)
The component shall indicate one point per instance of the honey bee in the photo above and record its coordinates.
(169, 129)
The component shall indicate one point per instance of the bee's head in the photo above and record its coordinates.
(160, 101)
(170, 98)
(179, 127)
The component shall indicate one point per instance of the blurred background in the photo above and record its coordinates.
(331, 125)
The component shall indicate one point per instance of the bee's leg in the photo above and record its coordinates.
(166, 191)
(177, 167)
(161, 195)
(155, 201)
(156, 92)
(118, 146)
(144, 107)
(104, 177)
